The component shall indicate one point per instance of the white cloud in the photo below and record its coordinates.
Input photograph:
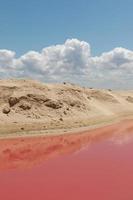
(71, 61)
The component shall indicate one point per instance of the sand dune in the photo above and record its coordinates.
(27, 105)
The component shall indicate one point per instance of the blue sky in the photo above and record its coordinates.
(34, 24)
(88, 42)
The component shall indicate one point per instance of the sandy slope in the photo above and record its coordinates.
(27, 105)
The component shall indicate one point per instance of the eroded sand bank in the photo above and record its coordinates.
(29, 107)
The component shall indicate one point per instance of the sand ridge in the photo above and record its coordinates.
(28, 105)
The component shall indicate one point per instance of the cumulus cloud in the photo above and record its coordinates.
(71, 61)
(6, 61)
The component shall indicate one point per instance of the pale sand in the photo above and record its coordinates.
(32, 108)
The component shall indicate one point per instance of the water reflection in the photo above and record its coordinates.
(27, 152)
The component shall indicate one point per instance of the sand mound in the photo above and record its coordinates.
(31, 105)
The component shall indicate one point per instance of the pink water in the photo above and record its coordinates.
(93, 167)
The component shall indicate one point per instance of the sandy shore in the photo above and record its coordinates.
(11, 131)
(29, 151)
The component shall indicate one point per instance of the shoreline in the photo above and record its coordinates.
(30, 151)
(66, 131)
